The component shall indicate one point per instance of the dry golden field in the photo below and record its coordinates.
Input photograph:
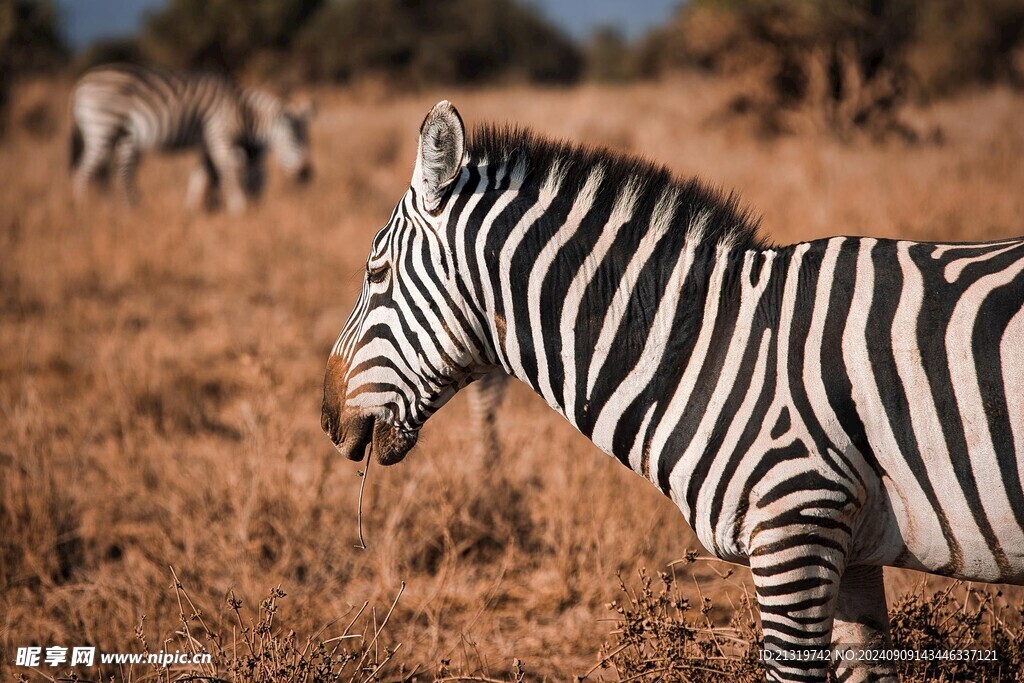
(160, 383)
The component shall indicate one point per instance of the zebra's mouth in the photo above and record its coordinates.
(390, 443)
(350, 437)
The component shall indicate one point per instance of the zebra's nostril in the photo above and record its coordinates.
(325, 422)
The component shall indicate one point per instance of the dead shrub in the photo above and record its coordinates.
(976, 620)
(253, 646)
(660, 636)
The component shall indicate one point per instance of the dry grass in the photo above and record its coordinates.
(252, 645)
(160, 386)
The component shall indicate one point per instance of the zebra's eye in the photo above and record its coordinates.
(377, 275)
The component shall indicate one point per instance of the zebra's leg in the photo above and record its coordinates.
(862, 621)
(796, 575)
(229, 162)
(126, 160)
(95, 157)
(198, 188)
(485, 397)
(202, 185)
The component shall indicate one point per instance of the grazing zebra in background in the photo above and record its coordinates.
(122, 110)
(817, 411)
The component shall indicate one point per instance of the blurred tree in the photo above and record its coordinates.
(958, 42)
(30, 42)
(845, 60)
(29, 36)
(609, 57)
(940, 45)
(108, 50)
(223, 34)
(446, 41)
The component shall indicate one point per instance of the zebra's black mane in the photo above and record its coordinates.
(723, 216)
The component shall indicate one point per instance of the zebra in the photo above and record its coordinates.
(817, 411)
(485, 397)
(121, 110)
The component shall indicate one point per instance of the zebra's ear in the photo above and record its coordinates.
(440, 154)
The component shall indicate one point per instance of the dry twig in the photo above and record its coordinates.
(359, 509)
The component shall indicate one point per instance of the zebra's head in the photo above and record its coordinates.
(407, 346)
(289, 140)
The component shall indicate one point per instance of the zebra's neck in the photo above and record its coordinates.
(599, 285)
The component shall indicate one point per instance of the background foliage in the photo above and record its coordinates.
(449, 41)
(933, 48)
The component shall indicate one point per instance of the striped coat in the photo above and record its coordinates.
(817, 411)
(121, 111)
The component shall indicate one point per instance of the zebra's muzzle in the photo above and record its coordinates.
(351, 437)
(391, 443)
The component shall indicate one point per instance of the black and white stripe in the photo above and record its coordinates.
(817, 411)
(120, 111)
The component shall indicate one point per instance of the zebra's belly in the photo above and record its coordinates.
(943, 415)
(955, 538)
(169, 133)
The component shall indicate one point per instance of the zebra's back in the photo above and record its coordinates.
(160, 108)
